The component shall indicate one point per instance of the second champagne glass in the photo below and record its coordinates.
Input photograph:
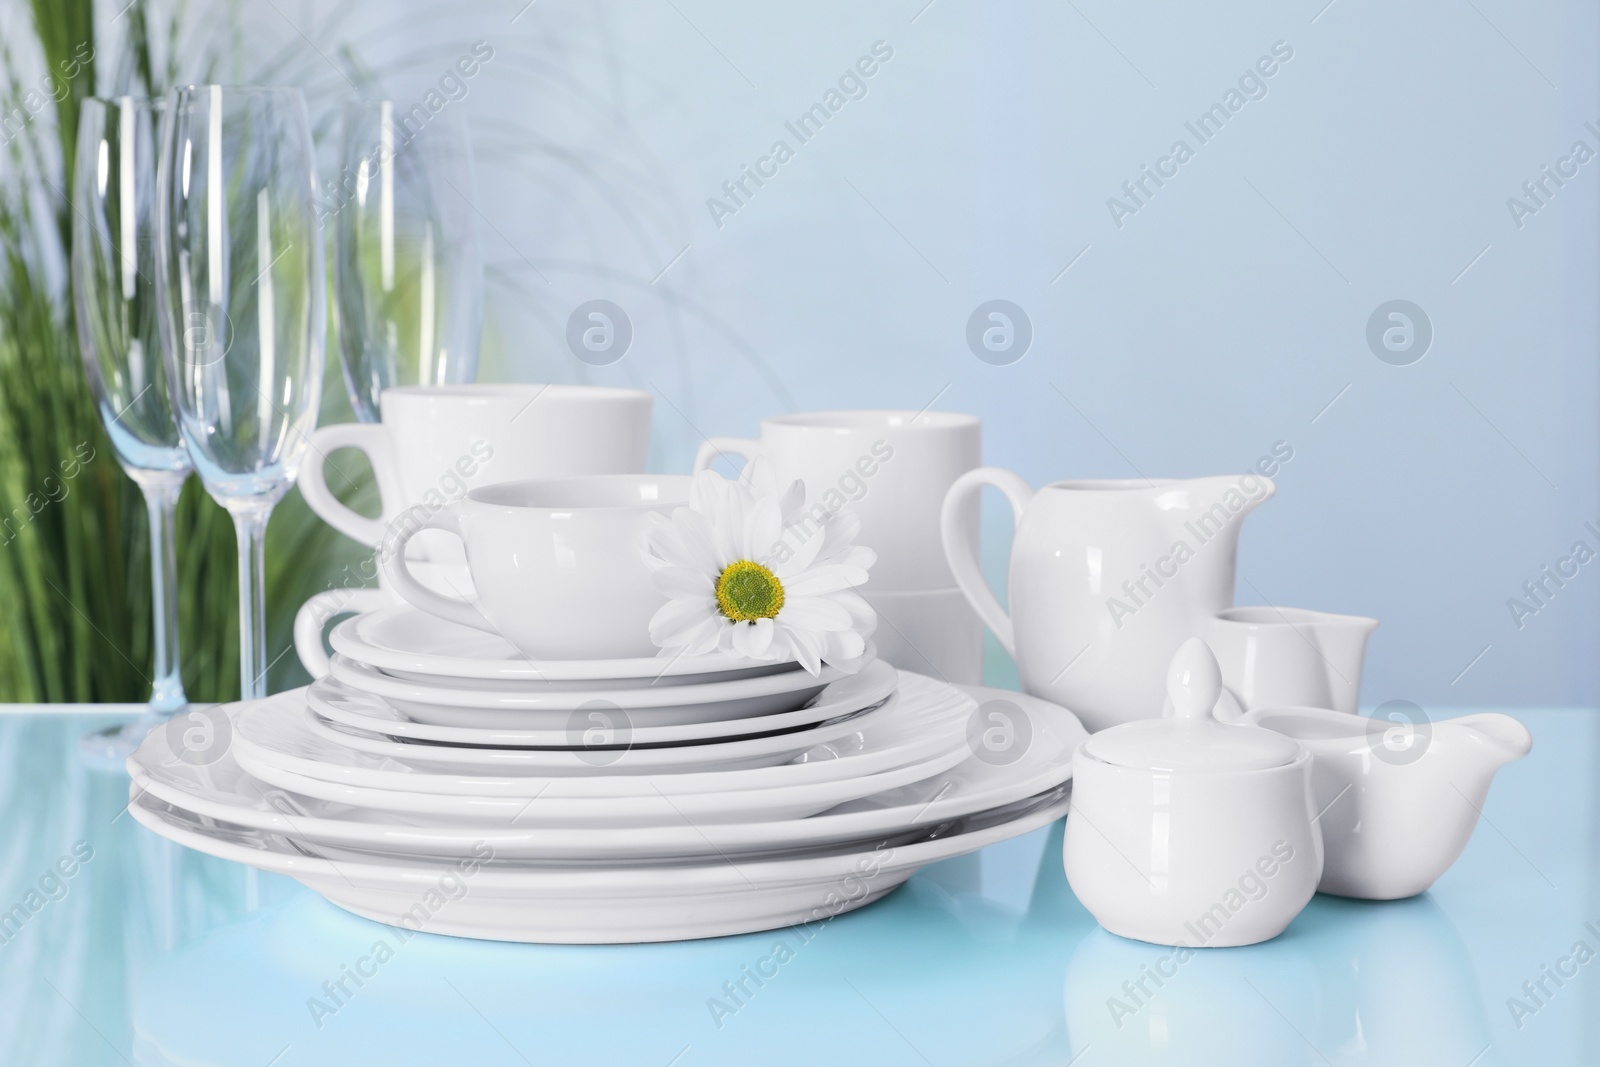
(240, 273)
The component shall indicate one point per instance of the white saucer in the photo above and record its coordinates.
(550, 708)
(408, 641)
(924, 721)
(364, 711)
(504, 901)
(223, 791)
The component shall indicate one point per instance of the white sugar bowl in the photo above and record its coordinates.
(1189, 832)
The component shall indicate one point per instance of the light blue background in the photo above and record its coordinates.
(1226, 315)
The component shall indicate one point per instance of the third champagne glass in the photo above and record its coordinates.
(241, 280)
(407, 268)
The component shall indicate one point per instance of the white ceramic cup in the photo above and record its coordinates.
(933, 632)
(892, 467)
(558, 564)
(438, 441)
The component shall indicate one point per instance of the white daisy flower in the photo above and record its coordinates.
(747, 570)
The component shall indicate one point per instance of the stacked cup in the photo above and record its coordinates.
(434, 443)
(893, 469)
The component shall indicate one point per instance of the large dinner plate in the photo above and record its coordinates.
(483, 897)
(981, 781)
(350, 707)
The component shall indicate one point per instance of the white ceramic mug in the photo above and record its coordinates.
(438, 441)
(559, 564)
(892, 467)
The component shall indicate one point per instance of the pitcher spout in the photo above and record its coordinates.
(1501, 738)
(1208, 509)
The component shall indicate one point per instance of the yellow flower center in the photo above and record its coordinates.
(747, 591)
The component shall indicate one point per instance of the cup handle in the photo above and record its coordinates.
(370, 438)
(961, 548)
(717, 446)
(313, 616)
(392, 558)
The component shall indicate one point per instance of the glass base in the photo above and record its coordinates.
(108, 749)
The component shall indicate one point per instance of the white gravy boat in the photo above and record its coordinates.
(1398, 801)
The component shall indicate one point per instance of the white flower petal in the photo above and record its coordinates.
(684, 583)
(676, 619)
(814, 613)
(753, 639)
(844, 646)
(699, 546)
(808, 649)
(806, 546)
(826, 579)
(863, 617)
(793, 501)
(763, 529)
(841, 531)
(705, 637)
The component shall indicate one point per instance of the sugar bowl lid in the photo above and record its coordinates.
(1192, 739)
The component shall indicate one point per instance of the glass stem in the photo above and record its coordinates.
(161, 502)
(250, 523)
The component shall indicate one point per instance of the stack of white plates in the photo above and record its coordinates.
(436, 779)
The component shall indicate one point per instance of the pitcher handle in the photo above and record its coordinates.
(370, 438)
(717, 446)
(392, 558)
(961, 548)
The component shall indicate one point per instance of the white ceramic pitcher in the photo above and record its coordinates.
(1107, 579)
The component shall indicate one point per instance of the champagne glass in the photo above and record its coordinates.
(240, 276)
(113, 281)
(407, 266)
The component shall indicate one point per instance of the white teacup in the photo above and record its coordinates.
(438, 441)
(892, 467)
(558, 564)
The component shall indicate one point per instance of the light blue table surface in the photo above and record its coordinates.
(151, 954)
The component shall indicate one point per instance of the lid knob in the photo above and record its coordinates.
(1194, 681)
